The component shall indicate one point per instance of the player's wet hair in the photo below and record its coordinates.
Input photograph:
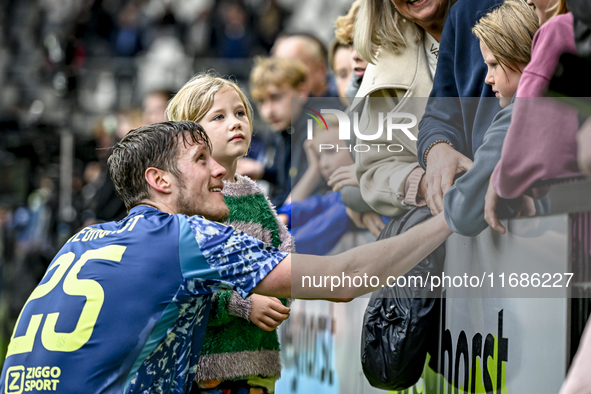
(155, 145)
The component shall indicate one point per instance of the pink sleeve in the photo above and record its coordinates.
(411, 188)
(541, 140)
(542, 145)
(552, 40)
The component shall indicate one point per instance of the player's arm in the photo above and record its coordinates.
(389, 257)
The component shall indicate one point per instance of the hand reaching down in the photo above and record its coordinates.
(490, 209)
(526, 209)
(443, 163)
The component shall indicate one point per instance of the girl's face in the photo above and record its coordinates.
(503, 81)
(227, 126)
(543, 9)
(423, 12)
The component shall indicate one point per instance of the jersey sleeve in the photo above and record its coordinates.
(230, 259)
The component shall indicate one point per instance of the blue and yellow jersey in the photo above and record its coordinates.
(123, 306)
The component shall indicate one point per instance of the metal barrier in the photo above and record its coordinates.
(506, 337)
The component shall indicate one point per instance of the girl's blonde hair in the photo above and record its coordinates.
(507, 32)
(195, 98)
(345, 24)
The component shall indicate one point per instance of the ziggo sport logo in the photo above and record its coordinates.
(345, 129)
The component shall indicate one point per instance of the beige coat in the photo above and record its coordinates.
(399, 82)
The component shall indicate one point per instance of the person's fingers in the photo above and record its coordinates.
(380, 224)
(377, 221)
(490, 209)
(355, 217)
(498, 226)
(435, 195)
(275, 316)
(342, 184)
(464, 164)
(374, 223)
(332, 180)
(341, 179)
(358, 222)
(336, 180)
(272, 322)
(373, 229)
(529, 206)
(338, 172)
(264, 326)
(447, 180)
(428, 187)
(277, 306)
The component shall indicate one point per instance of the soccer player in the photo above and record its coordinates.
(123, 306)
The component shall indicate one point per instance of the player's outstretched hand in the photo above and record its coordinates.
(267, 312)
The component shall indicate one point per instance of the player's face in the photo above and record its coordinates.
(227, 126)
(503, 81)
(199, 190)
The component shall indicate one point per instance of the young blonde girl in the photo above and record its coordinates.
(237, 356)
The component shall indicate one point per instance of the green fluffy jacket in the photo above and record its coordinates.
(234, 347)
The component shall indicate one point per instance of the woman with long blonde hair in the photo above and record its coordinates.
(401, 42)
